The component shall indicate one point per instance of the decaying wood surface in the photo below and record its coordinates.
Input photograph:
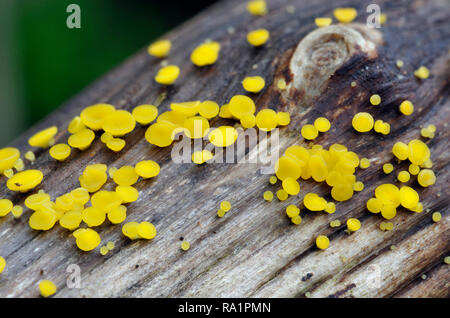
(254, 250)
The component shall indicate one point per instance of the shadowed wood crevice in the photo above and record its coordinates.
(254, 250)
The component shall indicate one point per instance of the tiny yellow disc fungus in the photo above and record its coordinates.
(116, 144)
(388, 194)
(126, 176)
(374, 205)
(19, 165)
(205, 54)
(160, 48)
(362, 122)
(43, 138)
(358, 186)
(208, 109)
(167, 75)
(93, 116)
(160, 134)
(5, 207)
(82, 139)
(335, 223)
(446, 260)
(47, 288)
(71, 220)
(104, 250)
(119, 123)
(248, 121)
(225, 205)
(399, 63)
(345, 15)
(268, 196)
(146, 230)
(106, 136)
(375, 99)
(127, 193)
(282, 195)
(257, 7)
(241, 105)
(185, 245)
(147, 169)
(283, 118)
(287, 166)
(110, 245)
(80, 195)
(35, 201)
(273, 180)
(322, 124)
(378, 126)
(93, 216)
(25, 180)
(17, 211)
(364, 163)
(253, 84)
(318, 168)
(281, 84)
(87, 240)
(426, 177)
(331, 207)
(29, 155)
(8, 157)
(220, 213)
(353, 224)
(309, 132)
(403, 176)
(64, 202)
(188, 109)
(400, 150)
(258, 37)
(406, 108)
(43, 219)
(409, 198)
(2, 264)
(225, 111)
(93, 177)
(418, 208)
(118, 214)
(200, 157)
(436, 217)
(342, 192)
(322, 242)
(60, 152)
(8, 173)
(418, 152)
(75, 125)
(323, 22)
(196, 127)
(413, 169)
(426, 133)
(422, 72)
(106, 200)
(388, 211)
(296, 219)
(223, 136)
(313, 202)
(291, 186)
(145, 114)
(266, 119)
(292, 211)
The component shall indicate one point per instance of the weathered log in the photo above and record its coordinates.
(254, 251)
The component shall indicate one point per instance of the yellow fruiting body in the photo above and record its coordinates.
(291, 186)
(322, 124)
(146, 230)
(145, 114)
(273, 179)
(185, 245)
(25, 180)
(225, 111)
(266, 119)
(220, 213)
(268, 196)
(223, 136)
(406, 108)
(375, 99)
(322, 242)
(331, 207)
(82, 139)
(60, 152)
(335, 223)
(147, 169)
(118, 214)
(323, 22)
(413, 169)
(2, 264)
(110, 245)
(418, 152)
(105, 137)
(422, 72)
(258, 37)
(241, 105)
(248, 121)
(388, 211)
(313, 202)
(426, 177)
(43, 138)
(106, 200)
(208, 109)
(87, 240)
(160, 134)
(104, 250)
(127, 193)
(93, 177)
(19, 165)
(400, 150)
(47, 288)
(42, 219)
(257, 7)
(225, 205)
(196, 127)
(296, 219)
(5, 207)
(119, 123)
(309, 132)
(253, 84)
(388, 194)
(75, 125)
(93, 216)
(403, 176)
(342, 192)
(126, 176)
(17, 211)
(8, 157)
(353, 224)
(35, 201)
(436, 217)
(200, 157)
(282, 195)
(358, 186)
(116, 144)
(283, 118)
(188, 109)
(362, 122)
(160, 48)
(8, 173)
(205, 54)
(167, 75)
(80, 195)
(409, 198)
(345, 15)
(65, 202)
(93, 116)
(292, 211)
(287, 167)
(29, 155)
(364, 163)
(71, 220)
(281, 84)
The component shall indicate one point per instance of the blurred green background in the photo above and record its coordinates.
(43, 63)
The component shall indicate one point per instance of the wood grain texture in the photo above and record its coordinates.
(254, 251)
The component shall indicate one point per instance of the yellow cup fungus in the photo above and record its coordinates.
(257, 7)
(286, 167)
(422, 72)
(93, 216)
(208, 109)
(29, 155)
(43, 138)
(403, 176)
(225, 205)
(118, 214)
(17, 211)
(375, 99)
(159, 48)
(406, 107)
(71, 220)
(292, 211)
(167, 75)
(268, 196)
(5, 207)
(331, 207)
(127, 193)
(322, 124)
(248, 121)
(185, 245)
(418, 152)
(47, 288)
(64, 202)
(200, 157)
(253, 84)
(223, 136)
(436, 217)
(106, 200)
(188, 109)
(309, 132)
(126, 176)
(160, 134)
(413, 169)
(283, 118)
(146, 230)
(345, 15)
(8, 157)
(323, 21)
(87, 239)
(426, 177)
(400, 150)
(258, 37)
(60, 152)
(93, 116)
(82, 139)
(80, 195)
(196, 127)
(374, 205)
(25, 181)
(93, 177)
(2, 264)
(353, 224)
(43, 219)
(145, 114)
(313, 202)
(241, 105)
(296, 220)
(205, 54)
(75, 125)
(116, 144)
(266, 119)
(147, 169)
(224, 111)
(322, 242)
(362, 122)
(119, 123)
(291, 186)
(409, 198)
(282, 195)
